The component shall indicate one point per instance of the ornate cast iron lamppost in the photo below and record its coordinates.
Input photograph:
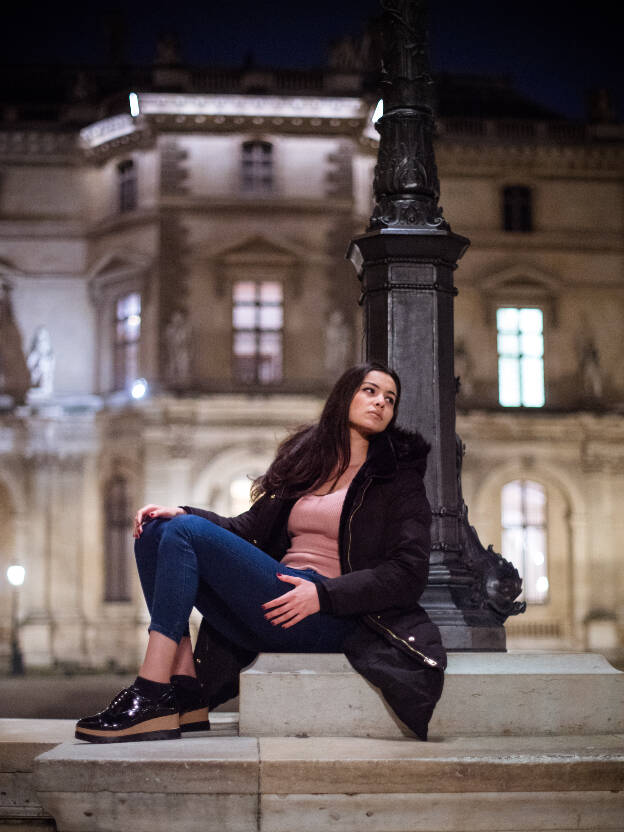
(405, 263)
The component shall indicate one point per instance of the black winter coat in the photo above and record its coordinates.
(384, 543)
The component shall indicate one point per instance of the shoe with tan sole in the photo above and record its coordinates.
(193, 710)
(133, 717)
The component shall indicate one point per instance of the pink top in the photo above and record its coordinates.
(313, 525)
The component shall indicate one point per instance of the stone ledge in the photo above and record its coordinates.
(518, 812)
(223, 765)
(22, 740)
(339, 784)
(543, 694)
(458, 764)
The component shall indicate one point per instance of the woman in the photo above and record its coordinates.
(331, 557)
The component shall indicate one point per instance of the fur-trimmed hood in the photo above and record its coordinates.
(398, 447)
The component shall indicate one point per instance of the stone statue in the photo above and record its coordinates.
(14, 375)
(591, 372)
(344, 55)
(337, 344)
(168, 50)
(178, 356)
(41, 362)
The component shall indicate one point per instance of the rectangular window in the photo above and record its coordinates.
(257, 167)
(126, 341)
(520, 357)
(257, 322)
(127, 181)
(517, 208)
(523, 520)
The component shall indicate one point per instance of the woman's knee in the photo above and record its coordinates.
(148, 540)
(188, 525)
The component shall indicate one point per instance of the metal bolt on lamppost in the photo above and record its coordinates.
(15, 575)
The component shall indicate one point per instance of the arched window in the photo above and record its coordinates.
(523, 520)
(127, 183)
(517, 208)
(257, 167)
(126, 340)
(117, 540)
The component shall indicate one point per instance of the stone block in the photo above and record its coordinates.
(543, 694)
(152, 812)
(292, 765)
(483, 812)
(192, 784)
(21, 742)
(225, 765)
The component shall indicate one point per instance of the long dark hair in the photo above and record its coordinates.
(309, 457)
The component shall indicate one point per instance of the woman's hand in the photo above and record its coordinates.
(151, 512)
(295, 605)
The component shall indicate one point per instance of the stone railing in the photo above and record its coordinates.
(36, 143)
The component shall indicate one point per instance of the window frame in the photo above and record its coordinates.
(124, 346)
(258, 331)
(257, 167)
(518, 358)
(127, 186)
(542, 527)
(517, 204)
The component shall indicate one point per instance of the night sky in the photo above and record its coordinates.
(553, 51)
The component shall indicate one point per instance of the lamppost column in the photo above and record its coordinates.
(405, 263)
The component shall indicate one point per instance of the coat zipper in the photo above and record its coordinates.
(426, 659)
(351, 516)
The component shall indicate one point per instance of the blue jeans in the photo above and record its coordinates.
(189, 561)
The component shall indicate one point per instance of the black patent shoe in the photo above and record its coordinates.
(132, 717)
(193, 709)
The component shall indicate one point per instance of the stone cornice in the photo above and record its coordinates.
(605, 429)
(470, 159)
(45, 146)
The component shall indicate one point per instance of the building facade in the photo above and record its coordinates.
(175, 298)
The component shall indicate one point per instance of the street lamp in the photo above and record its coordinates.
(15, 575)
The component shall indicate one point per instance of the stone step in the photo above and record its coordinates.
(23, 740)
(460, 784)
(512, 694)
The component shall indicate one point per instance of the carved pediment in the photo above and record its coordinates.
(117, 263)
(261, 250)
(521, 285)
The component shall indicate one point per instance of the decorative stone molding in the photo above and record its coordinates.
(521, 285)
(37, 143)
(455, 158)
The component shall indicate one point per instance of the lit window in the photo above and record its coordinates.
(257, 320)
(523, 510)
(127, 181)
(127, 335)
(117, 549)
(257, 167)
(520, 357)
(517, 208)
